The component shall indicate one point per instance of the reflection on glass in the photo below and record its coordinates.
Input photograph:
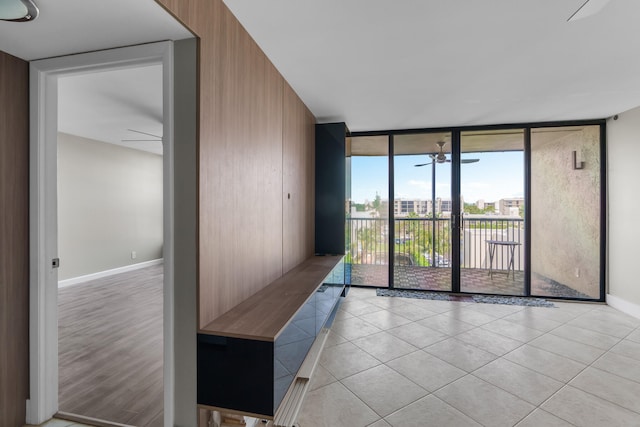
(492, 236)
(293, 344)
(565, 212)
(367, 252)
(422, 211)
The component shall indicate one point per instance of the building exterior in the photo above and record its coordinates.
(488, 207)
(405, 207)
(510, 207)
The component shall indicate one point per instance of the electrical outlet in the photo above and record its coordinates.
(133, 254)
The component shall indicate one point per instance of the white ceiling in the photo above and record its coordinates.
(374, 64)
(380, 64)
(114, 106)
(72, 26)
(100, 106)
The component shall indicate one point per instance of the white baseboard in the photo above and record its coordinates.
(624, 306)
(106, 273)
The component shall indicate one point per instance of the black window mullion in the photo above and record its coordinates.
(527, 211)
(392, 226)
(456, 223)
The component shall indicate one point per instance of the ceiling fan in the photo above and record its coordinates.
(442, 158)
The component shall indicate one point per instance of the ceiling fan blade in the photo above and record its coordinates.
(449, 161)
(588, 8)
(144, 133)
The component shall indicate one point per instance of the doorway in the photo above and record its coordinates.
(423, 212)
(448, 234)
(110, 240)
(45, 74)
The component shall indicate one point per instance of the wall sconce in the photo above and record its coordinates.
(18, 10)
(577, 164)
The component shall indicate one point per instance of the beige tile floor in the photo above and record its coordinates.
(410, 362)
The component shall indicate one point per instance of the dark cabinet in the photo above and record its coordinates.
(330, 206)
(250, 356)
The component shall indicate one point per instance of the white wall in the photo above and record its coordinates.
(623, 156)
(109, 204)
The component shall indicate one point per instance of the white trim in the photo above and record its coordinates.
(43, 285)
(624, 306)
(106, 273)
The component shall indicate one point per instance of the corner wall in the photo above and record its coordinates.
(14, 240)
(253, 152)
(623, 156)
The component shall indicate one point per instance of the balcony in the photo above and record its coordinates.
(423, 259)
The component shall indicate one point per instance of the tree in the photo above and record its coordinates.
(377, 202)
(470, 208)
(367, 240)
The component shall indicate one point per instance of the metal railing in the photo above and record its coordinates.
(425, 242)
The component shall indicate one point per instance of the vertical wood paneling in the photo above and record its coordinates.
(241, 171)
(14, 238)
(298, 184)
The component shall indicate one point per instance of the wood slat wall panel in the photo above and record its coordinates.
(298, 180)
(14, 239)
(240, 162)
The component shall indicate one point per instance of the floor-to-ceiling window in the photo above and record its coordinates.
(368, 215)
(494, 210)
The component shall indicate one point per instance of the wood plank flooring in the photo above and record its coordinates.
(110, 348)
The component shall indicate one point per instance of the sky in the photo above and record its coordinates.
(495, 176)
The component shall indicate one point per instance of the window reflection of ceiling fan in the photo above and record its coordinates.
(442, 158)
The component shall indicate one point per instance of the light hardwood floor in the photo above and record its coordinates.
(110, 348)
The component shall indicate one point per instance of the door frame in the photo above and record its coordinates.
(455, 220)
(43, 287)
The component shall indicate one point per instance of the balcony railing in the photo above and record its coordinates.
(426, 242)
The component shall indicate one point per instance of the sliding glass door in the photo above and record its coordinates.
(492, 235)
(422, 211)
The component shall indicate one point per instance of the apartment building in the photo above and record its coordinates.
(405, 207)
(510, 206)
